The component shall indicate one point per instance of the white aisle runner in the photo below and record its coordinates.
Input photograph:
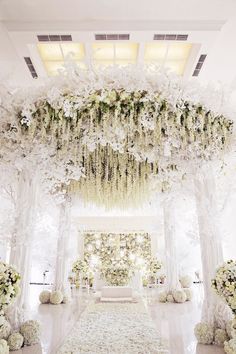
(114, 328)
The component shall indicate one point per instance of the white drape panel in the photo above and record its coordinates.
(172, 269)
(21, 244)
(209, 233)
(63, 244)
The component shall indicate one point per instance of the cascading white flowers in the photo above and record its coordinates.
(110, 134)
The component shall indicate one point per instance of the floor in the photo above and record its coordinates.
(174, 322)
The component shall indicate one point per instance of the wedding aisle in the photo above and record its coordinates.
(115, 328)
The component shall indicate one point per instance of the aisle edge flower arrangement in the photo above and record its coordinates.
(28, 331)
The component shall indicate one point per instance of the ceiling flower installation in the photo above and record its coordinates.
(112, 133)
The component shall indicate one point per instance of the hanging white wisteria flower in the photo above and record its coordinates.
(111, 133)
(9, 285)
(225, 283)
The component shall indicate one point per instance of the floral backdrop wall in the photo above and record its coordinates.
(130, 250)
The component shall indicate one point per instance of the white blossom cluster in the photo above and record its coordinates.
(9, 285)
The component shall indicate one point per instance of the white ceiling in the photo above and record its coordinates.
(210, 24)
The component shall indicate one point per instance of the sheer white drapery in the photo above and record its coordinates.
(63, 244)
(172, 269)
(22, 239)
(209, 233)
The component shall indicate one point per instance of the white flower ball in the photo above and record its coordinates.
(170, 298)
(56, 297)
(230, 347)
(162, 297)
(220, 336)
(4, 349)
(30, 330)
(188, 293)
(15, 341)
(44, 297)
(179, 296)
(204, 333)
(186, 281)
(231, 328)
(65, 299)
(5, 329)
(223, 315)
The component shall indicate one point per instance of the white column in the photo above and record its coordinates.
(62, 261)
(172, 269)
(209, 233)
(22, 239)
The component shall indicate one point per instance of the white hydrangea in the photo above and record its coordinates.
(186, 281)
(5, 329)
(56, 297)
(15, 341)
(204, 333)
(30, 330)
(220, 336)
(170, 298)
(4, 349)
(65, 299)
(179, 296)
(44, 297)
(162, 297)
(188, 293)
(231, 328)
(230, 347)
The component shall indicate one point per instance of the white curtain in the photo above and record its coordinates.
(172, 269)
(22, 240)
(63, 247)
(209, 233)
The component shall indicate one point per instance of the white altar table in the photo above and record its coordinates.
(116, 293)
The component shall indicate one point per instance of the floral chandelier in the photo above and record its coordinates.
(116, 131)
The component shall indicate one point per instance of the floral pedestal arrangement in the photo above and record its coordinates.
(223, 329)
(26, 333)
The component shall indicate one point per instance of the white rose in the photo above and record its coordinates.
(15, 341)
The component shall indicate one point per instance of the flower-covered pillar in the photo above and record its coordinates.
(22, 239)
(63, 244)
(172, 270)
(209, 233)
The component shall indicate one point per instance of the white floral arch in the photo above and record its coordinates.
(119, 131)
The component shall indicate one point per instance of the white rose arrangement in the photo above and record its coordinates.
(230, 346)
(5, 328)
(4, 349)
(31, 331)
(9, 285)
(204, 333)
(15, 341)
(225, 283)
(116, 275)
(56, 297)
(177, 295)
(44, 296)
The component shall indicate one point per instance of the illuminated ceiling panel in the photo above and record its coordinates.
(114, 53)
(54, 56)
(171, 55)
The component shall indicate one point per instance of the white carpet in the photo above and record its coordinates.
(113, 328)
